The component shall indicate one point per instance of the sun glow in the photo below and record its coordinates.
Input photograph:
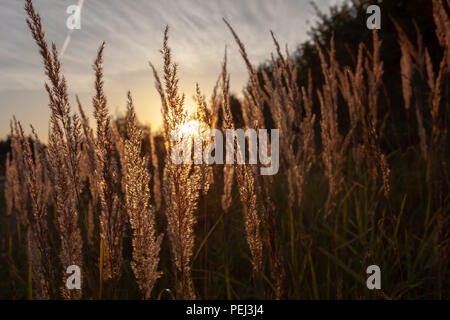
(192, 128)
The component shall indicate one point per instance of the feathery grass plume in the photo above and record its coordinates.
(421, 63)
(156, 178)
(436, 133)
(146, 245)
(66, 205)
(204, 117)
(41, 259)
(380, 158)
(162, 94)
(430, 70)
(406, 66)
(284, 100)
(61, 119)
(181, 183)
(352, 90)
(246, 181)
(413, 59)
(228, 169)
(66, 202)
(215, 104)
(228, 178)
(306, 152)
(375, 74)
(361, 97)
(64, 151)
(255, 93)
(10, 176)
(88, 148)
(442, 22)
(226, 198)
(112, 218)
(19, 182)
(334, 145)
(410, 61)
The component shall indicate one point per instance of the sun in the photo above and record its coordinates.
(192, 128)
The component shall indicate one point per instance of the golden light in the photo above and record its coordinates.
(192, 128)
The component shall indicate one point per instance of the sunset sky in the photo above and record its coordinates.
(133, 33)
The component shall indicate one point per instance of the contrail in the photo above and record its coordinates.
(69, 33)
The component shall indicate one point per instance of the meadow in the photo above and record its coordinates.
(349, 193)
